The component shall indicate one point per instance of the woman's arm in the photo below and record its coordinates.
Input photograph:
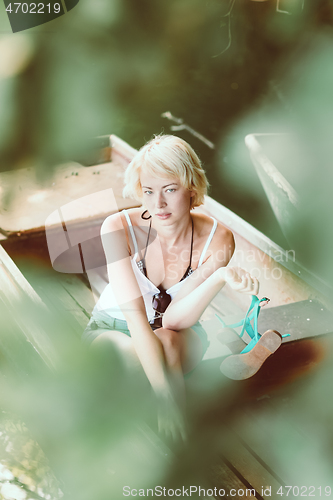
(128, 296)
(202, 286)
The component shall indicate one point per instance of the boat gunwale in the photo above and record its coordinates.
(244, 229)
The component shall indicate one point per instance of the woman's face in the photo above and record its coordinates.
(164, 197)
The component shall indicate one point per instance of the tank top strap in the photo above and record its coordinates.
(129, 223)
(209, 239)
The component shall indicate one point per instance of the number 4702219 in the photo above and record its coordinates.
(33, 8)
(304, 491)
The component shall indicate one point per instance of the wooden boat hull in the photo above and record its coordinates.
(298, 304)
(297, 307)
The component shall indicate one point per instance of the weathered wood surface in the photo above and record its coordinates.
(281, 195)
(286, 441)
(19, 303)
(282, 278)
(26, 203)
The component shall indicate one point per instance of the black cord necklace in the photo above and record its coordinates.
(162, 299)
(142, 262)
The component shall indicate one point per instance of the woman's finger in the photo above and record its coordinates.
(256, 286)
(250, 285)
(243, 282)
(253, 286)
(237, 285)
(246, 284)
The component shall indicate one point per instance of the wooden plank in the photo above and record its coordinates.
(32, 202)
(121, 152)
(292, 455)
(18, 295)
(270, 176)
(98, 280)
(225, 480)
(257, 431)
(66, 305)
(69, 313)
(79, 292)
(74, 317)
(251, 466)
(245, 232)
(12, 274)
(304, 319)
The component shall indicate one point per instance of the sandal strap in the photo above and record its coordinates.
(246, 322)
(252, 314)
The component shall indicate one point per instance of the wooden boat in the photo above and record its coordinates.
(281, 195)
(61, 219)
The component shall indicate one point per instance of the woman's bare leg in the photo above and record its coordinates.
(123, 345)
(172, 347)
(192, 349)
(182, 351)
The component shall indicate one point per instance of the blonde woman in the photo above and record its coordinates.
(165, 265)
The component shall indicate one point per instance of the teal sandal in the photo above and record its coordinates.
(249, 361)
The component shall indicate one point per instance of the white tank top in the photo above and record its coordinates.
(107, 301)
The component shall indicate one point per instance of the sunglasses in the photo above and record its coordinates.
(160, 302)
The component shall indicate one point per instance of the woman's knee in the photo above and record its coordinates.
(172, 346)
(170, 338)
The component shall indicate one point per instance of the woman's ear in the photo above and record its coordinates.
(192, 193)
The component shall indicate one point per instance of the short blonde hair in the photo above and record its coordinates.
(167, 156)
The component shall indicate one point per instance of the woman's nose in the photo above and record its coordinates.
(160, 202)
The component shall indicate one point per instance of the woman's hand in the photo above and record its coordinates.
(240, 280)
(170, 419)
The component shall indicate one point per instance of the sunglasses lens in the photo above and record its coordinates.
(156, 302)
(161, 301)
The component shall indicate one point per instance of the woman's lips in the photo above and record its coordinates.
(163, 216)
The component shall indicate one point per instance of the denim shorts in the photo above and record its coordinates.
(102, 321)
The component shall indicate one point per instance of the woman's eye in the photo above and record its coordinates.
(171, 190)
(147, 192)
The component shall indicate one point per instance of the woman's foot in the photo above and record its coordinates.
(242, 366)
